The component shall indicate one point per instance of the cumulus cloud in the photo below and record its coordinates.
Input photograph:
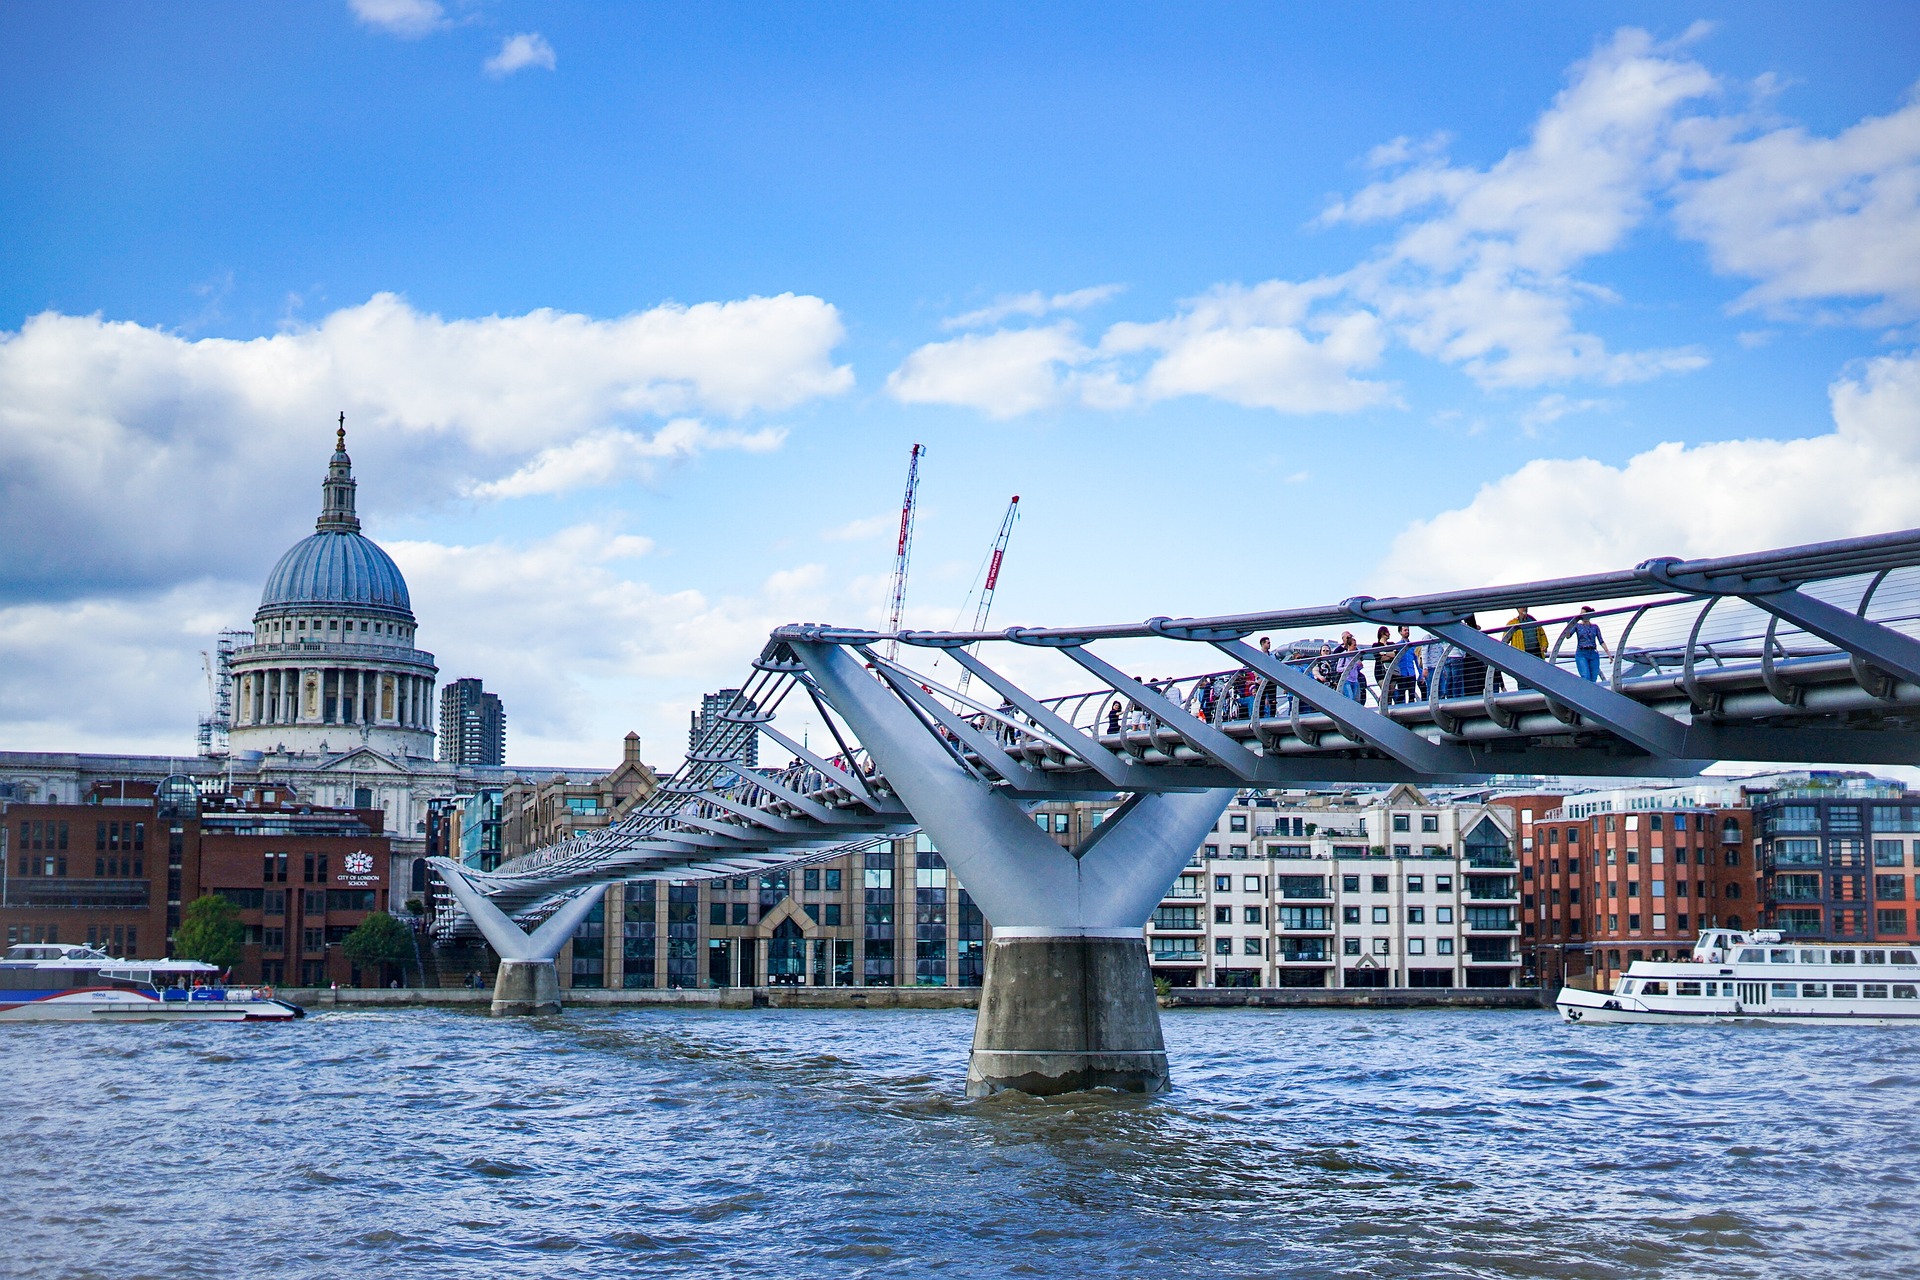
(1253, 346)
(1002, 374)
(863, 528)
(128, 454)
(408, 19)
(1814, 220)
(1554, 517)
(1482, 277)
(518, 52)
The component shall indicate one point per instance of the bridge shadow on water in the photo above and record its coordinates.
(839, 1143)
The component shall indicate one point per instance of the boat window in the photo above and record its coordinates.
(1653, 988)
(1783, 989)
(1905, 991)
(1903, 957)
(1628, 986)
(1713, 988)
(1840, 956)
(1846, 991)
(1811, 956)
(1753, 955)
(1873, 991)
(1814, 990)
(1686, 988)
(1781, 955)
(1873, 957)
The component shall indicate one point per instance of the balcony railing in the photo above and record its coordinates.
(54, 893)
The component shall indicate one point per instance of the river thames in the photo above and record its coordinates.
(820, 1143)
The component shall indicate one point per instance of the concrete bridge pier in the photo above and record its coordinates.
(527, 982)
(1068, 1002)
(1061, 1014)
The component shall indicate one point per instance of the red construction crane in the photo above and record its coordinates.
(903, 548)
(993, 577)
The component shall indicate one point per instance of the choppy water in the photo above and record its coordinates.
(785, 1143)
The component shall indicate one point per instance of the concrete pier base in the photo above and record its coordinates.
(1061, 1014)
(525, 987)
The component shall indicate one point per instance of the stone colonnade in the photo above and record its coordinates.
(333, 695)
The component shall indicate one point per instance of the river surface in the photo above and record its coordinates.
(827, 1144)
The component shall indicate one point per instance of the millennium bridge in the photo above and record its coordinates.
(1807, 654)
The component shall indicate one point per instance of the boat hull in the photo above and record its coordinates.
(1610, 1009)
(100, 1005)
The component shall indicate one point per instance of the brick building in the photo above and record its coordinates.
(1837, 856)
(117, 871)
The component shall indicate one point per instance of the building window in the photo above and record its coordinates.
(1350, 915)
(1350, 946)
(1443, 946)
(1252, 884)
(1416, 884)
(1416, 915)
(1350, 884)
(1383, 946)
(1223, 915)
(1223, 884)
(1416, 946)
(1380, 915)
(1429, 822)
(1443, 915)
(1380, 885)
(1252, 916)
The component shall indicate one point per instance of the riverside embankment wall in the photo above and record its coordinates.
(917, 998)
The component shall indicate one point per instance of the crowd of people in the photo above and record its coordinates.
(1394, 668)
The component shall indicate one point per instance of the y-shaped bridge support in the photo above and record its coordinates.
(527, 982)
(1068, 1002)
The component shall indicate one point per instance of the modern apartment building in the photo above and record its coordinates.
(473, 725)
(1362, 889)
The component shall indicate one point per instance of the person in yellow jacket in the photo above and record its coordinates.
(1525, 634)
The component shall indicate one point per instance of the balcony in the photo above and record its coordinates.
(1305, 920)
(1302, 951)
(1491, 920)
(1175, 950)
(1490, 951)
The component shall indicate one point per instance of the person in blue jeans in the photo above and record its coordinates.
(1588, 644)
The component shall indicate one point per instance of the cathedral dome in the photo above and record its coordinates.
(338, 567)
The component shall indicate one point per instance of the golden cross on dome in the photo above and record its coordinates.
(340, 440)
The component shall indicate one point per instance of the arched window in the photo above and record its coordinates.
(419, 875)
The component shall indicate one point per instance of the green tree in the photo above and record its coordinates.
(378, 940)
(210, 931)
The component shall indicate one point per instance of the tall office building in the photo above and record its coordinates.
(711, 707)
(473, 725)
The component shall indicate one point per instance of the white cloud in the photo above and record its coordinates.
(408, 19)
(1483, 278)
(614, 454)
(1549, 409)
(862, 529)
(518, 52)
(1254, 346)
(1002, 374)
(1034, 304)
(1555, 517)
(129, 454)
(1814, 220)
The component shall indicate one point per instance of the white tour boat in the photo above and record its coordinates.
(44, 982)
(1759, 976)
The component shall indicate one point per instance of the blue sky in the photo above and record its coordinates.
(635, 311)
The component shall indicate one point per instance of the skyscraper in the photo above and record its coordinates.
(711, 706)
(473, 724)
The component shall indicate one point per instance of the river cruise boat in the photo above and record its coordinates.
(49, 983)
(1760, 976)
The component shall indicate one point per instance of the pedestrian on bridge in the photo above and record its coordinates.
(1588, 643)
